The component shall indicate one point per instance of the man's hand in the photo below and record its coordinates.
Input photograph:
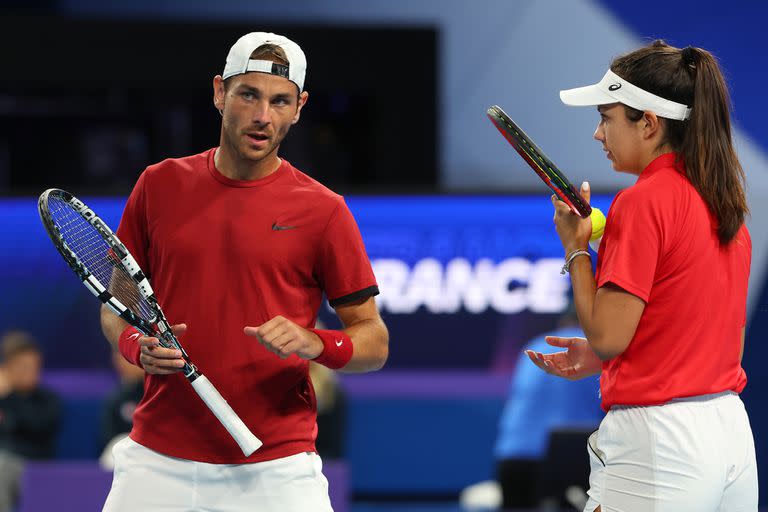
(159, 360)
(284, 338)
(577, 362)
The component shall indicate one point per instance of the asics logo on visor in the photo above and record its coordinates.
(614, 87)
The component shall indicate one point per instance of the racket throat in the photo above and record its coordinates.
(190, 372)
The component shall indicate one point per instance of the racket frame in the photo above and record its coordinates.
(538, 161)
(157, 326)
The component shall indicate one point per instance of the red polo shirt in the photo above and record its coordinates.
(661, 245)
(222, 254)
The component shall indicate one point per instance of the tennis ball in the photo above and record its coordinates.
(598, 224)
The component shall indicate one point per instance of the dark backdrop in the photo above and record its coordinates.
(86, 104)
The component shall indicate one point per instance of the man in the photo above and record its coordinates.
(29, 414)
(241, 245)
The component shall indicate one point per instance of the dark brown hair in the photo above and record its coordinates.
(270, 52)
(692, 76)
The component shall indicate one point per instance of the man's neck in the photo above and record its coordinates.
(236, 168)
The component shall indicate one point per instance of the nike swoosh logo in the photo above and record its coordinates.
(339, 343)
(277, 227)
(135, 336)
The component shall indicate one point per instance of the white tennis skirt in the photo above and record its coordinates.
(690, 455)
(147, 481)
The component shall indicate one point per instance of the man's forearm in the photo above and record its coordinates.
(112, 326)
(371, 341)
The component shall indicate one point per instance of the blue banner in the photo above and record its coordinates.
(464, 280)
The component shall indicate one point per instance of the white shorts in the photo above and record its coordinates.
(689, 455)
(146, 480)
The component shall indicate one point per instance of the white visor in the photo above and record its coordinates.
(614, 89)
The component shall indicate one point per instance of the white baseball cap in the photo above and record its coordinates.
(239, 58)
(614, 89)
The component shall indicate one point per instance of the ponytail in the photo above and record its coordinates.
(693, 77)
(707, 146)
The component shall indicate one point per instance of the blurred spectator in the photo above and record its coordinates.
(537, 404)
(331, 409)
(29, 414)
(331, 412)
(117, 419)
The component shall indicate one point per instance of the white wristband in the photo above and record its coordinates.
(574, 254)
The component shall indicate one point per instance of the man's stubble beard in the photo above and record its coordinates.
(243, 154)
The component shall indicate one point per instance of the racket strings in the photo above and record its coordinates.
(96, 255)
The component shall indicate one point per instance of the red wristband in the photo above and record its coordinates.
(337, 349)
(129, 346)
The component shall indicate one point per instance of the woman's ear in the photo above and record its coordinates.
(652, 125)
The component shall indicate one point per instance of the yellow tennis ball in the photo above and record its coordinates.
(598, 224)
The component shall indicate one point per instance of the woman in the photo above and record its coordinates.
(664, 314)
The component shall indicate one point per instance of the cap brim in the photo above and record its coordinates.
(586, 96)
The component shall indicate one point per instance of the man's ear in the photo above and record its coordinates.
(218, 93)
(302, 101)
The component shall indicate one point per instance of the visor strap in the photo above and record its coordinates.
(267, 66)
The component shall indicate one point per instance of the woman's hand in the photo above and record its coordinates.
(576, 362)
(574, 231)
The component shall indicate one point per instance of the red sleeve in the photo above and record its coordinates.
(342, 265)
(632, 242)
(133, 230)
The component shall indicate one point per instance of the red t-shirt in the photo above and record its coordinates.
(661, 245)
(222, 254)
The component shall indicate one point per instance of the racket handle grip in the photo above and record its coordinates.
(248, 442)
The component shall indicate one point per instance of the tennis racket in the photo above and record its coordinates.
(108, 270)
(547, 171)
